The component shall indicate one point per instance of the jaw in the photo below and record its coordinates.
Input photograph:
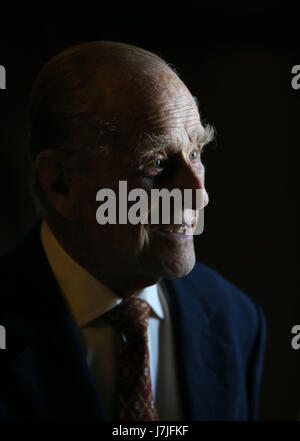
(136, 257)
(169, 258)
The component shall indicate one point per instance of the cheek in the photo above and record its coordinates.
(123, 240)
(134, 238)
(126, 239)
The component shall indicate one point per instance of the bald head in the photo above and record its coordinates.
(86, 90)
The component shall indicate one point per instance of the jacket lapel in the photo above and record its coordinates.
(204, 358)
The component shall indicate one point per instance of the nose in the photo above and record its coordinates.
(192, 177)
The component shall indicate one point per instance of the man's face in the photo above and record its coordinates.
(151, 250)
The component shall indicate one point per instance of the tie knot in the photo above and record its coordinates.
(130, 317)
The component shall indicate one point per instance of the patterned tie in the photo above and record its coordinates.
(134, 392)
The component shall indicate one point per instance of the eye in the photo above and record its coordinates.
(154, 168)
(157, 163)
(195, 155)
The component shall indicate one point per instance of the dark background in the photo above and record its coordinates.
(238, 62)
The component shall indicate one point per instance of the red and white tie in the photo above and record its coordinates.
(134, 391)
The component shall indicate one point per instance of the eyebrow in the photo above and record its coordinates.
(152, 142)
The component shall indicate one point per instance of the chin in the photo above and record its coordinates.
(177, 267)
(168, 256)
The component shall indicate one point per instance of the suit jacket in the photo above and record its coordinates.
(219, 338)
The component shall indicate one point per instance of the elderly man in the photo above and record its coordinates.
(117, 321)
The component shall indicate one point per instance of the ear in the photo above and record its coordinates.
(56, 184)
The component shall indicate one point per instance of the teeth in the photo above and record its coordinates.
(180, 229)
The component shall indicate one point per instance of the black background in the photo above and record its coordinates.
(237, 61)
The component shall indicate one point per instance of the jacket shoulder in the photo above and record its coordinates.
(229, 310)
(218, 292)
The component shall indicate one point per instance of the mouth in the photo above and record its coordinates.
(182, 231)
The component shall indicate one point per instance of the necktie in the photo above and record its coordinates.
(134, 392)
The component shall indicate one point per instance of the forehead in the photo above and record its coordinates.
(159, 104)
(170, 121)
(169, 109)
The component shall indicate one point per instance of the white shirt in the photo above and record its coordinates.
(87, 299)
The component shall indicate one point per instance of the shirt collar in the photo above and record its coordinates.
(86, 296)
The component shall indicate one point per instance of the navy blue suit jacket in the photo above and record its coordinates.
(219, 334)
